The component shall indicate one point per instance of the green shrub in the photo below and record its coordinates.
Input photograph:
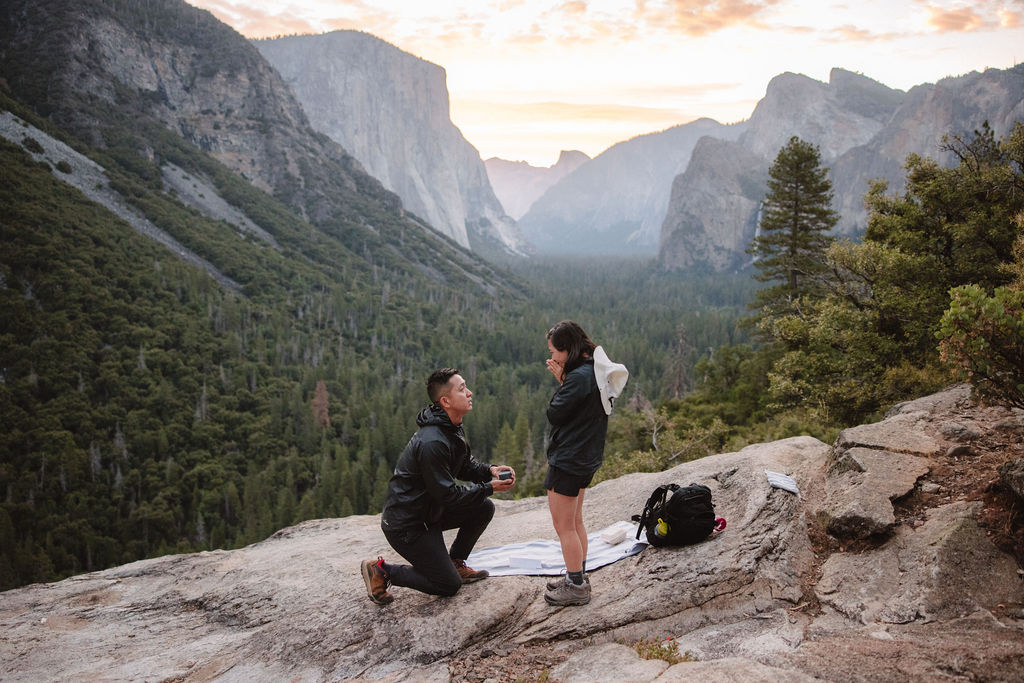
(32, 145)
(982, 337)
(666, 649)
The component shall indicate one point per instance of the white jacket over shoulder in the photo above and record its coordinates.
(611, 378)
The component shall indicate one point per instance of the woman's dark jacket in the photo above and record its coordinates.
(423, 485)
(578, 423)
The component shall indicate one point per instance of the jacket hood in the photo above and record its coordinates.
(434, 415)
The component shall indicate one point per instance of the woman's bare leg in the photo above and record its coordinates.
(567, 517)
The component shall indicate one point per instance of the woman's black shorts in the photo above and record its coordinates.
(565, 483)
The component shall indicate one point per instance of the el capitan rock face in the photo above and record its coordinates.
(389, 109)
(157, 83)
(770, 598)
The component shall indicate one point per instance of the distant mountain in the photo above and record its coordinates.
(864, 131)
(616, 202)
(390, 110)
(518, 184)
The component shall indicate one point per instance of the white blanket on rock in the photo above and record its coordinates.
(544, 557)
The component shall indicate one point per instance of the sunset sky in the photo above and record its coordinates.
(528, 78)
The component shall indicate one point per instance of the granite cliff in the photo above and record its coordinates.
(390, 110)
(864, 131)
(899, 559)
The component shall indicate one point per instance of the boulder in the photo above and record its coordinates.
(897, 434)
(608, 663)
(944, 569)
(860, 488)
(978, 647)
(731, 670)
(1012, 473)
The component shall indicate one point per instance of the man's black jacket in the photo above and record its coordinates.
(424, 483)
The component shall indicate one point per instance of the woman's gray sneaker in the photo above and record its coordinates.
(567, 593)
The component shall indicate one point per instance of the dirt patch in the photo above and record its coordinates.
(521, 664)
(970, 471)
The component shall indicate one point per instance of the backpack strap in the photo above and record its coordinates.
(656, 500)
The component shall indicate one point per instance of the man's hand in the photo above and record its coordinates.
(499, 484)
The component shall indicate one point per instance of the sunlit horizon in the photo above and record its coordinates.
(528, 79)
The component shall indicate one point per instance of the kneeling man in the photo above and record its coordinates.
(424, 499)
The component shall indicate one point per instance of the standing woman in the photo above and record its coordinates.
(578, 424)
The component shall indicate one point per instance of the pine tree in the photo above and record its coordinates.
(796, 218)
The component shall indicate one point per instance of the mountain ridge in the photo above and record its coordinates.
(116, 71)
(615, 203)
(864, 130)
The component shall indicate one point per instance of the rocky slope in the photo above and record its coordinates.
(134, 80)
(518, 184)
(864, 131)
(390, 110)
(616, 202)
(898, 560)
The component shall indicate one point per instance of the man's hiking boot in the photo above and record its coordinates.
(554, 583)
(467, 574)
(377, 581)
(568, 593)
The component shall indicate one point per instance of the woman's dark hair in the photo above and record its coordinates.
(569, 337)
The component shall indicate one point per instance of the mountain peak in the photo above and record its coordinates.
(572, 157)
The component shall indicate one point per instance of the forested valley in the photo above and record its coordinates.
(147, 410)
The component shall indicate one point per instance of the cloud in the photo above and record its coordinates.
(573, 8)
(855, 34)
(569, 111)
(673, 91)
(534, 35)
(506, 5)
(702, 17)
(1008, 19)
(255, 21)
(954, 20)
(979, 15)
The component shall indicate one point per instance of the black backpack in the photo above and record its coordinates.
(687, 514)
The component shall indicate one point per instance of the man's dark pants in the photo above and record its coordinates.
(432, 570)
